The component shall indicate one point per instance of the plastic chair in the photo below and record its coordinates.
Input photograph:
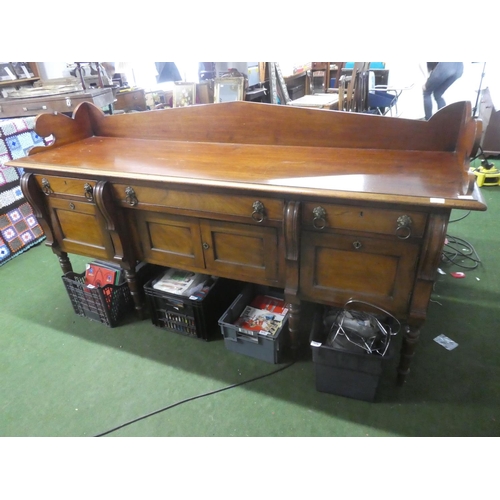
(382, 99)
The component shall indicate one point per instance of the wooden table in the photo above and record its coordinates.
(328, 205)
(319, 101)
(60, 103)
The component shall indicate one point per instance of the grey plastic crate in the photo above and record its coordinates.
(256, 345)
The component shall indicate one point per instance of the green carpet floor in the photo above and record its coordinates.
(63, 375)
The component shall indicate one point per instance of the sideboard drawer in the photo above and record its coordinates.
(50, 184)
(199, 203)
(399, 223)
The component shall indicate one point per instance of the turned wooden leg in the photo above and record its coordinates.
(294, 315)
(65, 263)
(136, 292)
(410, 340)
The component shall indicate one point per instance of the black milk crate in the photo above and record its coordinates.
(343, 372)
(193, 318)
(107, 304)
(263, 347)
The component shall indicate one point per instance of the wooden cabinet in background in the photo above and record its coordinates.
(132, 100)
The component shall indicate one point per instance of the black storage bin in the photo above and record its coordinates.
(343, 372)
(107, 304)
(265, 348)
(193, 318)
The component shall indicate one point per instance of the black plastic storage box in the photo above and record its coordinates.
(263, 347)
(342, 372)
(107, 304)
(193, 318)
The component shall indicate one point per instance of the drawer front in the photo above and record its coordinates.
(336, 268)
(399, 223)
(80, 188)
(199, 203)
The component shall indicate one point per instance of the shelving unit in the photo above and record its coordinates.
(23, 81)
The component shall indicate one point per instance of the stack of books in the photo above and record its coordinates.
(99, 273)
(264, 315)
(179, 282)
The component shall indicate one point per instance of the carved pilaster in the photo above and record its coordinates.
(115, 225)
(291, 230)
(123, 252)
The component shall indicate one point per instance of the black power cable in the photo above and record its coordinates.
(192, 399)
(459, 249)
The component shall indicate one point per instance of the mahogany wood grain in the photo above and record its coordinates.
(234, 189)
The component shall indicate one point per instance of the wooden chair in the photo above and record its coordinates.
(353, 89)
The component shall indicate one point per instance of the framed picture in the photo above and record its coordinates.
(184, 94)
(229, 89)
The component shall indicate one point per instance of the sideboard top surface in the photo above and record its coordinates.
(153, 147)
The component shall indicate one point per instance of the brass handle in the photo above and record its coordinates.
(72, 206)
(403, 229)
(88, 190)
(36, 108)
(130, 196)
(258, 211)
(357, 245)
(46, 187)
(319, 220)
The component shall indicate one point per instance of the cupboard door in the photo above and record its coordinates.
(79, 228)
(170, 240)
(336, 268)
(241, 251)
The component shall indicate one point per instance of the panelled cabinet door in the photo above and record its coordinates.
(170, 240)
(241, 250)
(79, 228)
(336, 268)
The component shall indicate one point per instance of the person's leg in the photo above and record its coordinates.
(427, 104)
(440, 79)
(455, 71)
(437, 76)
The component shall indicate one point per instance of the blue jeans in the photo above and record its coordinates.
(441, 78)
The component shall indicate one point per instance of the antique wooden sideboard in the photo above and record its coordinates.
(328, 205)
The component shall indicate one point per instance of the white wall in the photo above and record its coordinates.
(49, 70)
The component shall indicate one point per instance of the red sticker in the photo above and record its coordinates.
(458, 275)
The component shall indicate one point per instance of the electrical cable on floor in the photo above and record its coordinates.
(463, 251)
(192, 399)
(460, 218)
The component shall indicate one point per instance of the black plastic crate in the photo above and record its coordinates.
(107, 304)
(343, 372)
(193, 318)
(263, 347)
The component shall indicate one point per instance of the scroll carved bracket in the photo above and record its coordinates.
(34, 196)
(114, 222)
(291, 230)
